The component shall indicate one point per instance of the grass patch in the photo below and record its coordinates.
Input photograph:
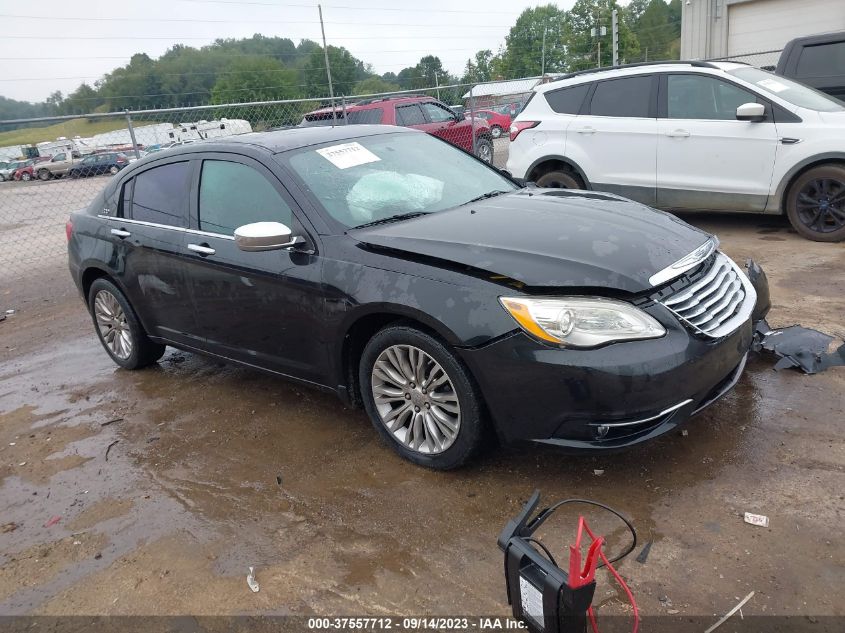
(70, 128)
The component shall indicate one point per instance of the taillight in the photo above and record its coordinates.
(518, 126)
(121, 160)
(69, 229)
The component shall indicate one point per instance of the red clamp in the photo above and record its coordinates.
(578, 576)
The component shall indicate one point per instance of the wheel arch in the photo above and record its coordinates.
(363, 325)
(552, 162)
(828, 158)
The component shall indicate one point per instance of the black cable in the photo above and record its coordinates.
(544, 514)
(544, 548)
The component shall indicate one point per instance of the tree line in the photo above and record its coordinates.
(544, 38)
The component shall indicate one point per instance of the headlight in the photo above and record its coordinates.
(581, 321)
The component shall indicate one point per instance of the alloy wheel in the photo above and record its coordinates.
(415, 399)
(821, 205)
(112, 323)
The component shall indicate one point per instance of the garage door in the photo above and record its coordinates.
(764, 25)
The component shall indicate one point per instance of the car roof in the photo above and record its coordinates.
(294, 138)
(637, 69)
(368, 104)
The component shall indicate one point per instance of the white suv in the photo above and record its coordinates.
(690, 136)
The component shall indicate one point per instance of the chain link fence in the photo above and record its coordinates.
(50, 167)
(767, 60)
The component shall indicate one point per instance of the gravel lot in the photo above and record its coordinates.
(217, 468)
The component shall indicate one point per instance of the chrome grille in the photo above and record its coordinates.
(716, 304)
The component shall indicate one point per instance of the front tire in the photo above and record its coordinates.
(421, 398)
(118, 328)
(815, 204)
(560, 179)
(26, 177)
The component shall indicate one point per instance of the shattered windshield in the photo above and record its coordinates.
(374, 178)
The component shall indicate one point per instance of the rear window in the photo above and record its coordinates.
(568, 100)
(625, 97)
(821, 60)
(371, 116)
(160, 195)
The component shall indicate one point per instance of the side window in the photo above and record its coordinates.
(161, 195)
(59, 157)
(364, 117)
(821, 60)
(409, 115)
(233, 194)
(104, 158)
(436, 113)
(568, 100)
(700, 97)
(626, 97)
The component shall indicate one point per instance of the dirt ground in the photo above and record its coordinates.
(152, 492)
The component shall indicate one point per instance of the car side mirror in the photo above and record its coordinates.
(265, 236)
(754, 112)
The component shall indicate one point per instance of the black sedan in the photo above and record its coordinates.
(406, 276)
(96, 164)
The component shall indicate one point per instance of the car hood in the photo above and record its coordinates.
(547, 238)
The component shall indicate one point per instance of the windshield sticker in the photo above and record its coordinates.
(348, 155)
(773, 85)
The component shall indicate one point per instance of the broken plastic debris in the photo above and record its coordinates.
(797, 346)
(684, 432)
(598, 472)
(643, 555)
(730, 613)
(757, 519)
(250, 580)
(53, 521)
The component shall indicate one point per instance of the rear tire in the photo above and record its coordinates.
(439, 427)
(496, 131)
(560, 179)
(118, 329)
(26, 176)
(484, 150)
(44, 174)
(815, 204)
(113, 170)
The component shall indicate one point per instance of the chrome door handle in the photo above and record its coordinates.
(678, 133)
(120, 233)
(202, 250)
(586, 130)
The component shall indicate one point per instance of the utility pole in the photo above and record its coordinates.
(437, 84)
(614, 29)
(598, 32)
(543, 57)
(328, 69)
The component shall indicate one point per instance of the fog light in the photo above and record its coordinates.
(601, 431)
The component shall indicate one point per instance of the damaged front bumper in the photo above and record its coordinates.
(615, 396)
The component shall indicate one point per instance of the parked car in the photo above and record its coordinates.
(498, 122)
(817, 61)
(8, 172)
(21, 168)
(418, 112)
(109, 163)
(403, 274)
(57, 166)
(27, 171)
(691, 136)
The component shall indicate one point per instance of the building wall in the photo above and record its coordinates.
(719, 28)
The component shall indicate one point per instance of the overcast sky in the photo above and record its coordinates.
(57, 44)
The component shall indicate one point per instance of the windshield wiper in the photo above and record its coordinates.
(489, 194)
(392, 218)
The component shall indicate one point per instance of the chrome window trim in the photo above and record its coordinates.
(167, 226)
(684, 264)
